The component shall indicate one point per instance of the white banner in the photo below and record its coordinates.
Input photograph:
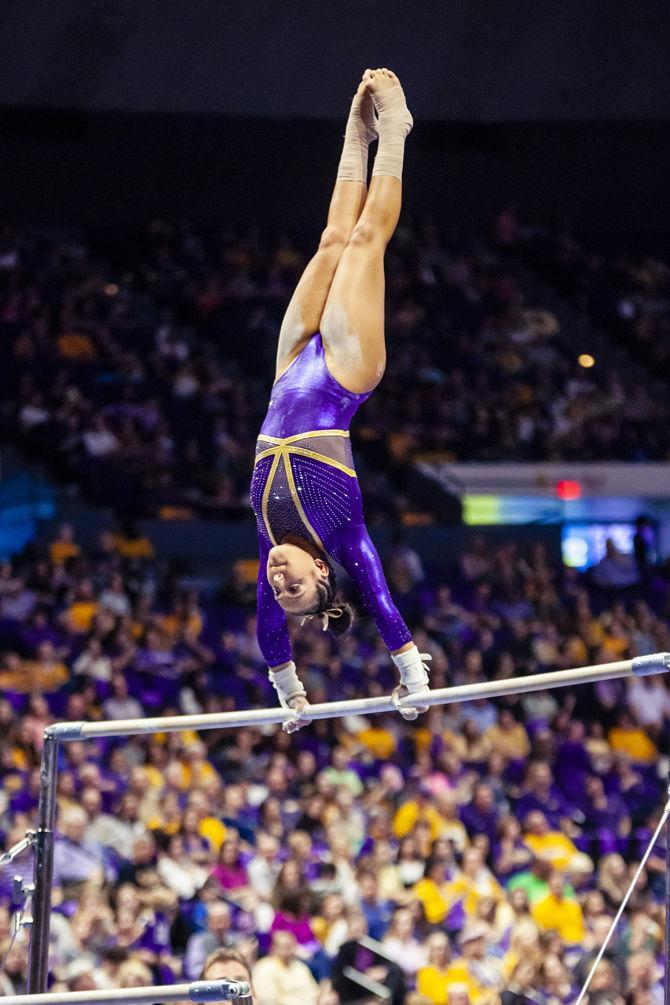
(559, 480)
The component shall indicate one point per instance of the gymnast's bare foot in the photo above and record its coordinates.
(388, 97)
(364, 107)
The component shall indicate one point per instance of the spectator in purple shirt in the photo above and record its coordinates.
(231, 871)
(511, 854)
(573, 764)
(292, 915)
(38, 630)
(481, 815)
(607, 822)
(76, 860)
(541, 794)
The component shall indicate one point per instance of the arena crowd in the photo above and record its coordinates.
(474, 857)
(139, 366)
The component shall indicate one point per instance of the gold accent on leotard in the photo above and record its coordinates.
(266, 493)
(296, 498)
(302, 436)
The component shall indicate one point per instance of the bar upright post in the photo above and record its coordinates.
(38, 962)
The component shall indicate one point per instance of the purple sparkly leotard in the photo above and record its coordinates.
(304, 483)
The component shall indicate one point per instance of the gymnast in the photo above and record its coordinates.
(330, 357)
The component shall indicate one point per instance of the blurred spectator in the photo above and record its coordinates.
(217, 936)
(615, 569)
(281, 978)
(402, 944)
(558, 913)
(76, 859)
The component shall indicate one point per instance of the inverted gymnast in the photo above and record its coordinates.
(330, 357)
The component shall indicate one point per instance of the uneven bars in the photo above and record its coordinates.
(200, 991)
(641, 666)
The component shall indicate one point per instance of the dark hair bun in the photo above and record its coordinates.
(342, 625)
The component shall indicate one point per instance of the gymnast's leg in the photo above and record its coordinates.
(352, 326)
(303, 314)
(306, 307)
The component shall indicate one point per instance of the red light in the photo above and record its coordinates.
(568, 490)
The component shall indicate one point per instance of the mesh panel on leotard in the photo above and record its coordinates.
(312, 491)
(333, 446)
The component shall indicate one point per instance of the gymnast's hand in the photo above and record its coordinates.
(299, 704)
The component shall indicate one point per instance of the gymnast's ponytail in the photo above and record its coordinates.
(342, 625)
(336, 615)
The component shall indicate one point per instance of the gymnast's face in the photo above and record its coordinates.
(293, 575)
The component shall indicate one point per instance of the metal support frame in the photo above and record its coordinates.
(38, 966)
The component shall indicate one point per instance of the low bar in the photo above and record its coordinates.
(200, 991)
(638, 667)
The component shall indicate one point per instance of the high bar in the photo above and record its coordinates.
(200, 991)
(641, 666)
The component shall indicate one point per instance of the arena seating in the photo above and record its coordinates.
(480, 852)
(139, 366)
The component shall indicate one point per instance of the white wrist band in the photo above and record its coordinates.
(287, 684)
(412, 669)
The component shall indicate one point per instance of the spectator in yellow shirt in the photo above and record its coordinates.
(616, 642)
(552, 846)
(508, 737)
(185, 617)
(131, 543)
(476, 966)
(76, 346)
(474, 882)
(433, 891)
(209, 826)
(197, 770)
(451, 826)
(43, 674)
(64, 545)
(380, 742)
(79, 615)
(280, 978)
(629, 737)
(439, 977)
(556, 912)
(418, 809)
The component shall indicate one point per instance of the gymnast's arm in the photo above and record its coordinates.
(354, 550)
(271, 627)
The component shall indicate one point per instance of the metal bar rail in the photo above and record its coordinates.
(200, 991)
(639, 667)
